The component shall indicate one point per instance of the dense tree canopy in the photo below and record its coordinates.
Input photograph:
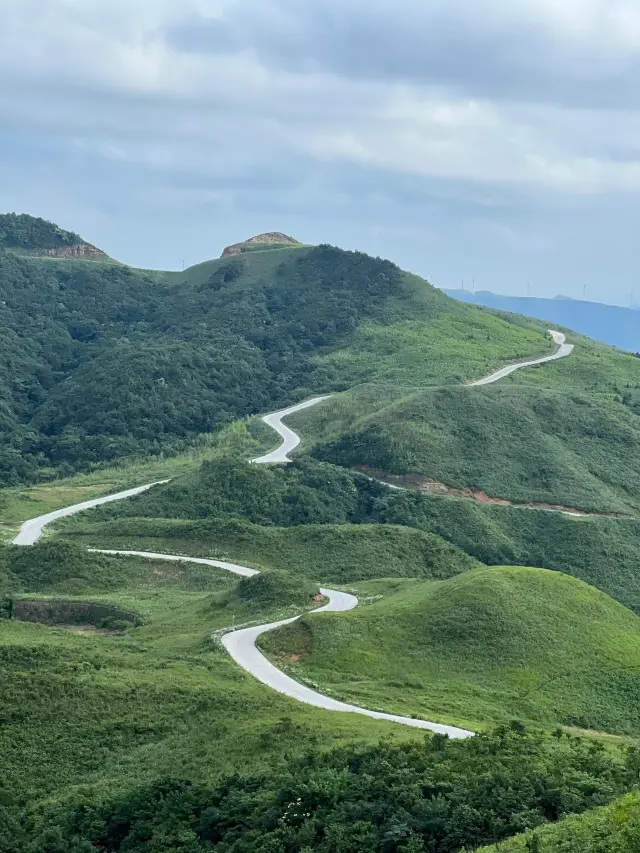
(99, 361)
(435, 796)
(21, 231)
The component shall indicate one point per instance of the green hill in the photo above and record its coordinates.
(101, 362)
(487, 645)
(316, 517)
(513, 441)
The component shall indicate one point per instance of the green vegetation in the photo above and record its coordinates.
(432, 795)
(29, 233)
(486, 646)
(122, 712)
(54, 566)
(301, 496)
(114, 362)
(611, 829)
(274, 589)
(513, 442)
(106, 712)
(333, 553)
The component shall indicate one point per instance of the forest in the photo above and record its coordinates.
(102, 362)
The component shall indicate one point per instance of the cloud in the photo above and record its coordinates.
(448, 119)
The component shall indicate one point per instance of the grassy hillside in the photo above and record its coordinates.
(109, 711)
(612, 829)
(487, 645)
(306, 495)
(514, 442)
(332, 553)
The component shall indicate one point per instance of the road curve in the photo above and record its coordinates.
(241, 644)
(564, 349)
(290, 439)
(31, 530)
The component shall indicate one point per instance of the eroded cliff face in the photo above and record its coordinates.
(270, 238)
(81, 250)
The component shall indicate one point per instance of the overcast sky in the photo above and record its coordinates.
(495, 140)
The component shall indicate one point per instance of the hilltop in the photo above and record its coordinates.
(261, 242)
(30, 235)
(485, 646)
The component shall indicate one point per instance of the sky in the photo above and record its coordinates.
(494, 142)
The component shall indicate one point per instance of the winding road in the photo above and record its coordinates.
(241, 644)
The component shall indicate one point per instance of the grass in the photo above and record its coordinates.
(241, 438)
(339, 554)
(107, 712)
(612, 829)
(442, 348)
(515, 442)
(484, 647)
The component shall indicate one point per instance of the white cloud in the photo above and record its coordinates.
(537, 98)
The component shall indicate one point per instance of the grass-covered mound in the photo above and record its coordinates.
(491, 644)
(55, 566)
(516, 442)
(273, 589)
(332, 553)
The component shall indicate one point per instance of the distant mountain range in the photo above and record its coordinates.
(610, 324)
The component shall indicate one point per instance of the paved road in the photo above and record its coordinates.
(563, 351)
(241, 644)
(31, 530)
(290, 439)
(177, 558)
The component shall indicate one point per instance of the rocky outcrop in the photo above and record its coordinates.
(81, 250)
(261, 241)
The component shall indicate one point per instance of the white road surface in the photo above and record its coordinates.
(241, 644)
(290, 439)
(563, 351)
(31, 530)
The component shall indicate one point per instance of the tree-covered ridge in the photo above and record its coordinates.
(21, 231)
(100, 362)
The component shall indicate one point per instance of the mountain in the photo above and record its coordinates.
(619, 327)
(125, 723)
(101, 361)
(485, 646)
(30, 235)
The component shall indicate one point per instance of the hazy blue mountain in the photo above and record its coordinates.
(610, 324)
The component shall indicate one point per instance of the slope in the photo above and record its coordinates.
(511, 441)
(611, 829)
(485, 646)
(30, 235)
(610, 324)
(308, 509)
(108, 706)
